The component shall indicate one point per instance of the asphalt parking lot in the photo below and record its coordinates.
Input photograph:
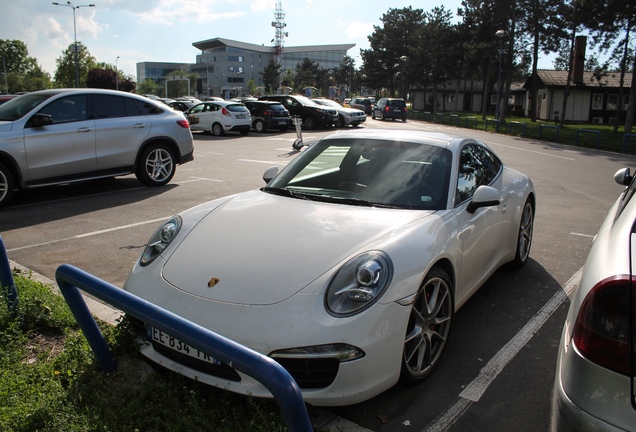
(498, 370)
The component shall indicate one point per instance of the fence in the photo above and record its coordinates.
(569, 134)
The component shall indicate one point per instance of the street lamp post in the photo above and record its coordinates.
(72, 6)
(116, 75)
(500, 34)
(402, 62)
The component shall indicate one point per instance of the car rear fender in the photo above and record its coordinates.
(162, 140)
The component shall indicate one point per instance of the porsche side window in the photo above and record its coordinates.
(67, 109)
(477, 167)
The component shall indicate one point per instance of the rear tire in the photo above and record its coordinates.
(157, 165)
(217, 129)
(7, 185)
(429, 326)
(259, 126)
(309, 123)
(524, 236)
(341, 122)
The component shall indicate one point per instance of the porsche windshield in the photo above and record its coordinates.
(20, 106)
(370, 172)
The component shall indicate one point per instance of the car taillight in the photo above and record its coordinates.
(183, 123)
(602, 329)
(387, 108)
(225, 112)
(268, 113)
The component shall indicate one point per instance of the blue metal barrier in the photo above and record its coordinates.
(626, 138)
(516, 123)
(271, 374)
(473, 120)
(7, 284)
(544, 126)
(588, 131)
(495, 121)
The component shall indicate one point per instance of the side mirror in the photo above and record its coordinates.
(270, 173)
(485, 196)
(40, 120)
(623, 177)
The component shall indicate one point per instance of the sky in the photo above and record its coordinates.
(126, 32)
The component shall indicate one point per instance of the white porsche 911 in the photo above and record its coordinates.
(347, 268)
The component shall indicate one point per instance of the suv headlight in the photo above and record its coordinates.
(160, 240)
(358, 284)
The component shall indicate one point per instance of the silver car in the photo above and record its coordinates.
(346, 116)
(59, 136)
(596, 366)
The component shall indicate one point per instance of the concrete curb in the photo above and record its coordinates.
(99, 310)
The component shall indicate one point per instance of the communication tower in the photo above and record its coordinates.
(281, 34)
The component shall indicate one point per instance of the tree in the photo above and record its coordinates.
(432, 59)
(108, 78)
(543, 25)
(306, 73)
(20, 71)
(271, 76)
(66, 66)
(148, 87)
(381, 63)
(612, 22)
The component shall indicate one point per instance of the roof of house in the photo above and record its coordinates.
(558, 78)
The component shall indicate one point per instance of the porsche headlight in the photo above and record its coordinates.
(358, 284)
(160, 240)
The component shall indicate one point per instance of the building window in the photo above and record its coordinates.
(612, 102)
(235, 58)
(597, 101)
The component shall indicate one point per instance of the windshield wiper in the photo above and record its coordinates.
(283, 192)
(355, 201)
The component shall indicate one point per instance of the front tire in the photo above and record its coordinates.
(429, 326)
(7, 184)
(157, 165)
(524, 237)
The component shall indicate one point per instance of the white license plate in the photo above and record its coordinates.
(175, 344)
(240, 116)
(282, 122)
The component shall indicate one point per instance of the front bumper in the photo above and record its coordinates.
(299, 321)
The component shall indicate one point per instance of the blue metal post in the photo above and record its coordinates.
(266, 370)
(6, 281)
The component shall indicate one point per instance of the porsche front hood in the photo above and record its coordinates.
(260, 249)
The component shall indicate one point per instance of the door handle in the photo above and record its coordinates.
(84, 129)
(139, 125)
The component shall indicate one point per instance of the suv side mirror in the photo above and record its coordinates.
(40, 120)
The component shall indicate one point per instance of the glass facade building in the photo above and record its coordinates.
(225, 65)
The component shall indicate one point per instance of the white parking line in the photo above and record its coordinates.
(475, 390)
(89, 234)
(582, 235)
(264, 162)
